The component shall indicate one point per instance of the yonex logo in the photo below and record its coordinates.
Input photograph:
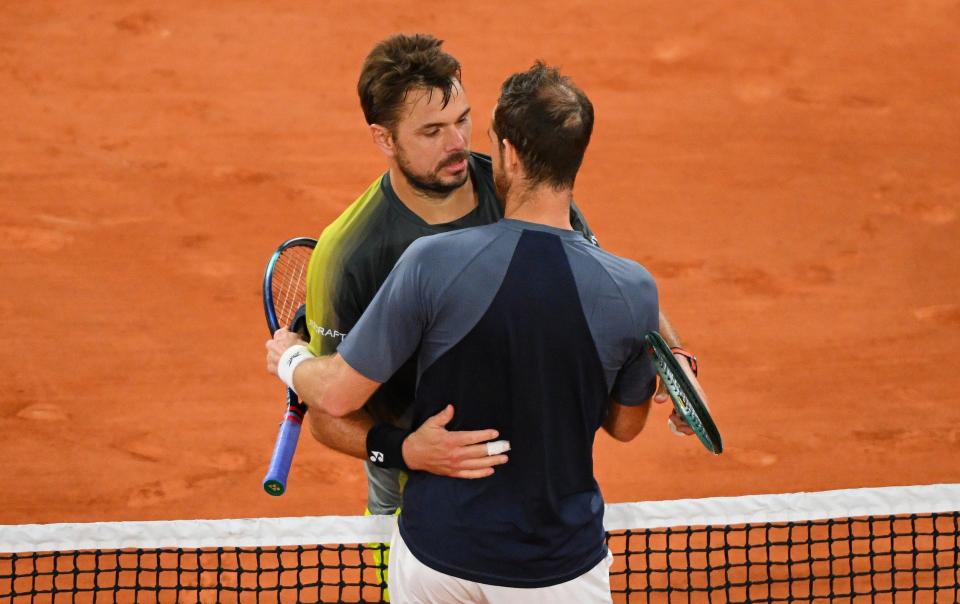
(376, 456)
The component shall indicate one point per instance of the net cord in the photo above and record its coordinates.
(259, 532)
(789, 507)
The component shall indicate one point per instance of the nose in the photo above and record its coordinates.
(456, 140)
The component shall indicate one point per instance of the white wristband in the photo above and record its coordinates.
(289, 360)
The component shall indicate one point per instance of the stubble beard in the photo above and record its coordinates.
(431, 185)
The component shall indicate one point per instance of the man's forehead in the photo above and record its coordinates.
(425, 104)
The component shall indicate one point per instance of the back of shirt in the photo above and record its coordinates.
(530, 330)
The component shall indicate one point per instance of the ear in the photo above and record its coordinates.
(383, 139)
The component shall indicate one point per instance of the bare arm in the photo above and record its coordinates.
(327, 383)
(330, 385)
(347, 434)
(668, 332)
(329, 380)
(431, 447)
(623, 422)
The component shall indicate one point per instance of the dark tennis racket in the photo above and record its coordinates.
(685, 398)
(284, 304)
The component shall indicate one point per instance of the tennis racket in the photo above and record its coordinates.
(284, 304)
(686, 400)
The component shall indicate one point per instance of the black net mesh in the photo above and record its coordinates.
(907, 558)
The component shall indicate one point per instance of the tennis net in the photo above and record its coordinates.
(898, 544)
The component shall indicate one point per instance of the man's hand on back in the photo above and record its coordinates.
(432, 448)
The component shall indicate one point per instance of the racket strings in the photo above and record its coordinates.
(288, 283)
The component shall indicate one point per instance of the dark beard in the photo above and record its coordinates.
(431, 186)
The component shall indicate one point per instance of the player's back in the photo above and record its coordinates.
(529, 329)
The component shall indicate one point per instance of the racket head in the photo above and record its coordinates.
(285, 282)
(685, 398)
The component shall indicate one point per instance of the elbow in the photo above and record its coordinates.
(625, 423)
(337, 412)
(321, 399)
(321, 403)
(334, 407)
(334, 389)
(625, 435)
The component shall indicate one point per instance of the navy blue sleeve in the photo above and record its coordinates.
(636, 381)
(389, 331)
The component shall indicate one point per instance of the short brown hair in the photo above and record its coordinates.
(548, 120)
(397, 65)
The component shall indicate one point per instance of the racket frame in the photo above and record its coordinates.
(275, 481)
(686, 399)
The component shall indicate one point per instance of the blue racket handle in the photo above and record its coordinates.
(275, 482)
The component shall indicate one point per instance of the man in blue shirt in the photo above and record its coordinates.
(525, 327)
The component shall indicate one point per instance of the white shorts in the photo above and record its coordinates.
(413, 582)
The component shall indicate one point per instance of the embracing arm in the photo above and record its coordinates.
(324, 383)
(623, 422)
(347, 434)
(431, 447)
(330, 385)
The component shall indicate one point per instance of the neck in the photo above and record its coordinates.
(541, 205)
(434, 208)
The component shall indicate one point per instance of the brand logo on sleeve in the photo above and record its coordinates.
(324, 332)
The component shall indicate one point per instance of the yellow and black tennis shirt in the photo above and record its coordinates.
(356, 252)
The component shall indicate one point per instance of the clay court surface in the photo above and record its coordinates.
(789, 172)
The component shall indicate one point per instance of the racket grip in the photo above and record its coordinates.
(275, 482)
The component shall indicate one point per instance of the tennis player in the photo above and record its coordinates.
(419, 117)
(524, 326)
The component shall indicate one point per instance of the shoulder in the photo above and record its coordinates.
(630, 277)
(439, 260)
(460, 242)
(357, 218)
(357, 232)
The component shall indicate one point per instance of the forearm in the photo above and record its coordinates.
(623, 422)
(347, 434)
(311, 380)
(668, 332)
(330, 385)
